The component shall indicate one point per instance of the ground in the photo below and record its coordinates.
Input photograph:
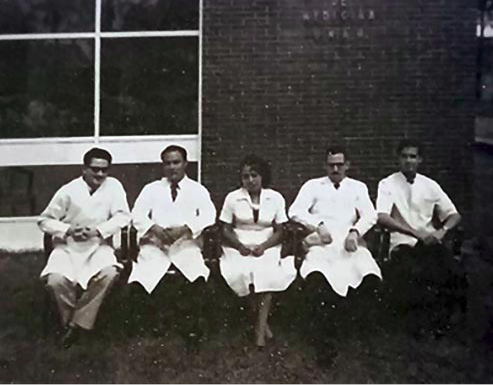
(368, 344)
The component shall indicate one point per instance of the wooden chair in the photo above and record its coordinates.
(381, 239)
(292, 242)
(122, 253)
(377, 241)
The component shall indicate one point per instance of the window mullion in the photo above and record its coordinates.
(97, 72)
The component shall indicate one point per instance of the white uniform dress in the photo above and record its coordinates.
(192, 207)
(268, 272)
(348, 207)
(416, 202)
(106, 209)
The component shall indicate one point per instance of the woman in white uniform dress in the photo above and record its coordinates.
(251, 262)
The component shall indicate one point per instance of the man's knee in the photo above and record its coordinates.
(54, 281)
(109, 274)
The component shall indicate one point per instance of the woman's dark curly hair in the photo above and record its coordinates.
(259, 165)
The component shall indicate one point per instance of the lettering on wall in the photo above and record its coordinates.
(338, 20)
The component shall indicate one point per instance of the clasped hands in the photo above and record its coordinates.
(430, 237)
(255, 250)
(82, 233)
(168, 236)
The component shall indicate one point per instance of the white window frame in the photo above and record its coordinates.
(125, 149)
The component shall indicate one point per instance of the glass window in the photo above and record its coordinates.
(46, 88)
(154, 90)
(46, 16)
(150, 15)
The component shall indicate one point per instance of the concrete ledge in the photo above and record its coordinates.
(20, 235)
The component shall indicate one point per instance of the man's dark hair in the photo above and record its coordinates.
(405, 143)
(336, 149)
(173, 148)
(96, 153)
(259, 165)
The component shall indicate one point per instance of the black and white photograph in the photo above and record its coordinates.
(246, 191)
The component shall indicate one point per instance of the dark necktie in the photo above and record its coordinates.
(337, 185)
(174, 191)
(410, 180)
(255, 215)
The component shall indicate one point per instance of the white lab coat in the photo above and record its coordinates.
(106, 209)
(348, 207)
(193, 207)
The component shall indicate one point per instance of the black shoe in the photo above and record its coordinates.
(70, 336)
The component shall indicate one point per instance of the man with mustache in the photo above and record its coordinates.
(421, 269)
(336, 211)
(170, 215)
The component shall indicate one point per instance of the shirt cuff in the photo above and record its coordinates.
(58, 229)
(106, 229)
(195, 229)
(62, 230)
(307, 221)
(142, 230)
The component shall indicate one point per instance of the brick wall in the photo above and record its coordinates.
(284, 78)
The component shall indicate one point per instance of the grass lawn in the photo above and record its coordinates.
(368, 345)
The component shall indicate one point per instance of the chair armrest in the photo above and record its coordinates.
(292, 241)
(133, 245)
(47, 245)
(378, 239)
(212, 241)
(122, 254)
(453, 241)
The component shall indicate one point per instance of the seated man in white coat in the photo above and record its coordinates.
(170, 215)
(337, 212)
(82, 217)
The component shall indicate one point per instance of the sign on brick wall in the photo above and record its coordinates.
(339, 19)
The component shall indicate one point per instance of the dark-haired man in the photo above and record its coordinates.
(82, 216)
(411, 205)
(170, 214)
(337, 212)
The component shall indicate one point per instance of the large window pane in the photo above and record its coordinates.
(25, 191)
(149, 86)
(150, 15)
(46, 88)
(44, 16)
